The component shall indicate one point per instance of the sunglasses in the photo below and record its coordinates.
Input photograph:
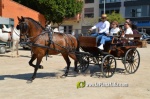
(103, 18)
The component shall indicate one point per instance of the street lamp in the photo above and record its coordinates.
(104, 6)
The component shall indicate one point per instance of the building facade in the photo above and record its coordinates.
(138, 11)
(12, 10)
(82, 22)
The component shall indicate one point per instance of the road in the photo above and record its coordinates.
(15, 72)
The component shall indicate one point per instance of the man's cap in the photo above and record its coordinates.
(104, 15)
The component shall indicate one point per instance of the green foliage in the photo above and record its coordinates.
(55, 10)
(116, 17)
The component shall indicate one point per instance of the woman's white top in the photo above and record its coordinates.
(128, 31)
(114, 31)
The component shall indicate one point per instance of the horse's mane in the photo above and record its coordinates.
(37, 23)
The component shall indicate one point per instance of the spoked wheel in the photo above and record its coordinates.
(108, 66)
(83, 63)
(132, 61)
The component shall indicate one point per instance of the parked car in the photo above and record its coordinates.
(145, 36)
(5, 46)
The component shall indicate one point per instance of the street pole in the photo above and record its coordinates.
(104, 6)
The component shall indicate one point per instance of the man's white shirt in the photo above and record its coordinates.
(103, 27)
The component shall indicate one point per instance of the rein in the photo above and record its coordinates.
(16, 33)
(48, 46)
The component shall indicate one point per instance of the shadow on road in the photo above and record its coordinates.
(5, 56)
(27, 76)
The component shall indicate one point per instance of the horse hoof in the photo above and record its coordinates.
(29, 81)
(64, 75)
(76, 70)
(41, 67)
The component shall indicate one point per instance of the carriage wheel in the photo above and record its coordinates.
(108, 66)
(132, 61)
(83, 63)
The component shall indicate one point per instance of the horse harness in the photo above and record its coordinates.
(50, 41)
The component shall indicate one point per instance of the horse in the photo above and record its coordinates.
(47, 43)
(11, 34)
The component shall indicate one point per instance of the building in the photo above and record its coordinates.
(12, 10)
(82, 22)
(138, 11)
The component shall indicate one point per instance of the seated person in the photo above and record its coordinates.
(134, 29)
(128, 29)
(114, 30)
(103, 27)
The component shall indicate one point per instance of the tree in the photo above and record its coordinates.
(90, 21)
(55, 10)
(116, 17)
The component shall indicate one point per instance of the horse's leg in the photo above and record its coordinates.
(65, 56)
(39, 59)
(17, 48)
(31, 61)
(73, 56)
(12, 51)
(33, 57)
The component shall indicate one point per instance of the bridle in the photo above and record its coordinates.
(16, 32)
(23, 26)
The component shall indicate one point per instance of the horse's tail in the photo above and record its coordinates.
(77, 49)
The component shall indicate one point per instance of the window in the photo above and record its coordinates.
(139, 12)
(108, 11)
(89, 1)
(133, 12)
(68, 29)
(130, 0)
(89, 12)
(136, 12)
(109, 1)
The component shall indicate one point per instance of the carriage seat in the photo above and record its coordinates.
(131, 39)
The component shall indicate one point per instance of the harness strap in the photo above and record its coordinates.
(49, 42)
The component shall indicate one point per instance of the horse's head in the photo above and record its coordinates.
(23, 26)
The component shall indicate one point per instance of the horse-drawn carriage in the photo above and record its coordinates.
(124, 49)
(45, 42)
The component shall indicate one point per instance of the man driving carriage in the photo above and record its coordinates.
(103, 27)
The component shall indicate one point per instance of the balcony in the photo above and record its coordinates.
(136, 3)
(110, 5)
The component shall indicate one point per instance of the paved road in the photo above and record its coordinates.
(15, 72)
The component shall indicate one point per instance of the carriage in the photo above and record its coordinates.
(124, 49)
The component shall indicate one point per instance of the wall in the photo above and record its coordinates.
(11, 9)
